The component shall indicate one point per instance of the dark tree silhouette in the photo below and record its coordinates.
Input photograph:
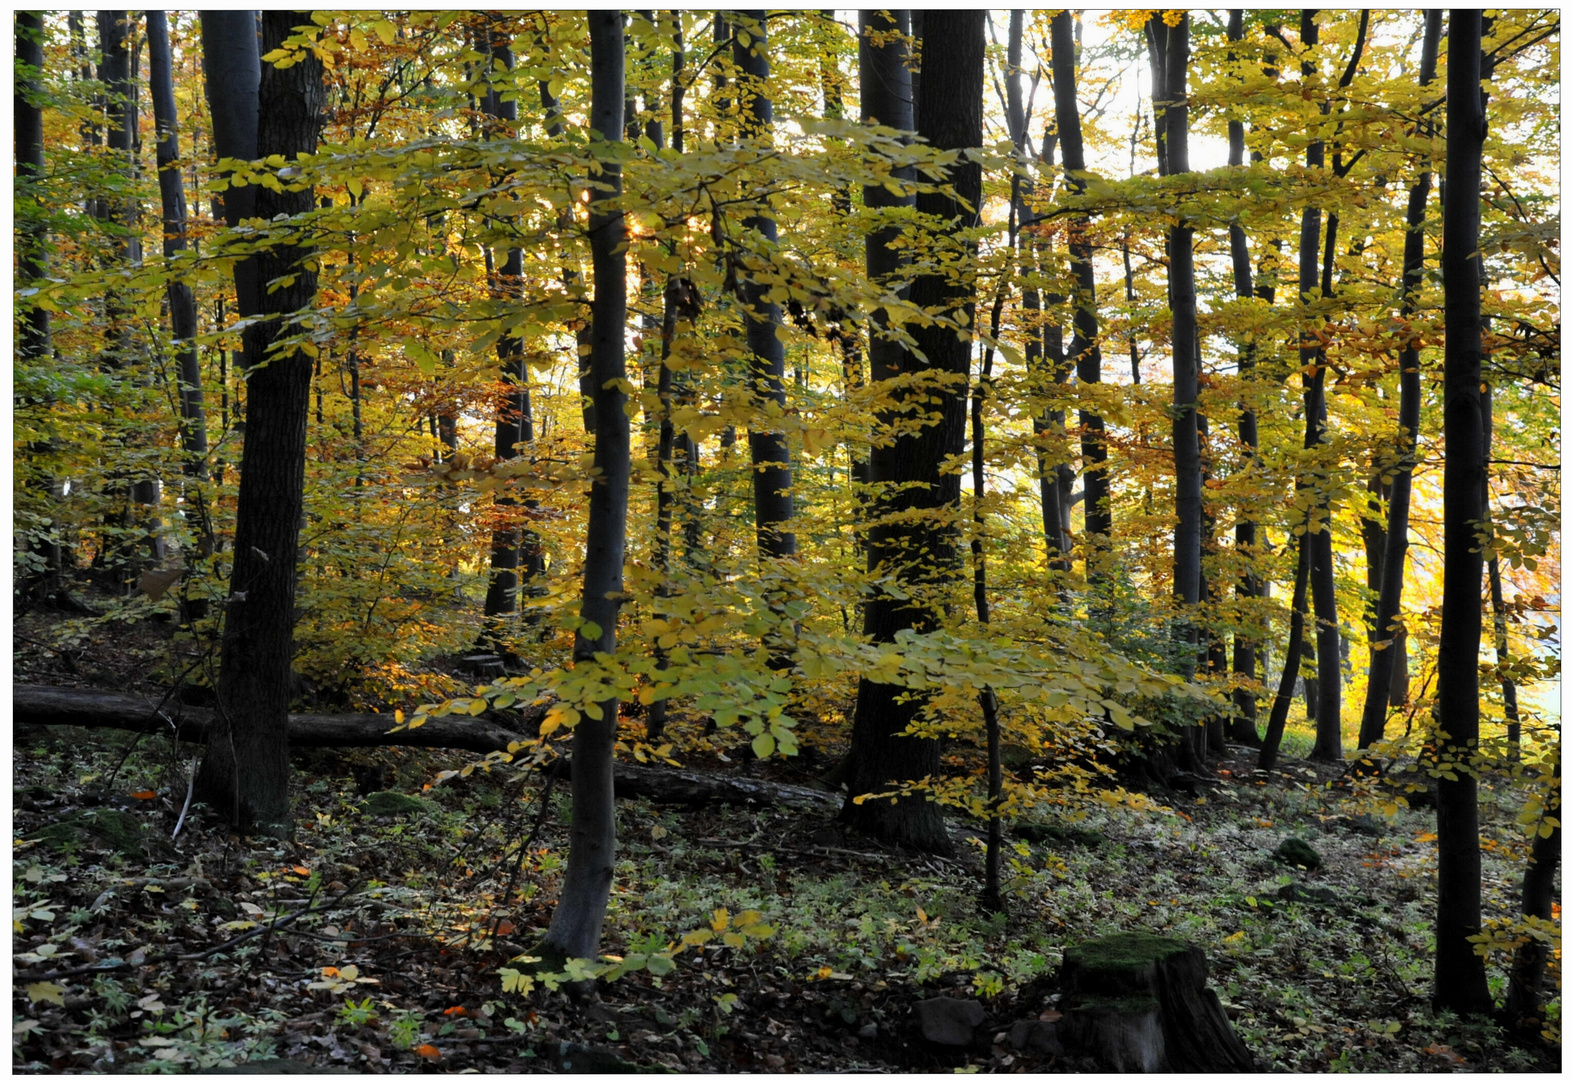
(586, 884)
(1460, 983)
(913, 546)
(245, 773)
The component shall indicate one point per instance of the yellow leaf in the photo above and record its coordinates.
(477, 706)
(720, 919)
(46, 991)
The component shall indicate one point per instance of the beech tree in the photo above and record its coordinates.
(515, 550)
(586, 886)
(1085, 350)
(1460, 972)
(905, 540)
(182, 301)
(1389, 642)
(245, 774)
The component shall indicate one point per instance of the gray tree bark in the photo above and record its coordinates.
(586, 885)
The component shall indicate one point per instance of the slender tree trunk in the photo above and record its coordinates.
(586, 885)
(1044, 344)
(33, 332)
(1170, 51)
(1328, 743)
(679, 301)
(1085, 351)
(1386, 651)
(1277, 721)
(988, 701)
(1525, 1006)
(182, 302)
(1460, 972)
(769, 451)
(1243, 727)
(919, 550)
(245, 774)
(516, 563)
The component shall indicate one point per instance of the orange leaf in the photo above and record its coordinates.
(302, 871)
(426, 1050)
(329, 972)
(144, 794)
(455, 1010)
(505, 926)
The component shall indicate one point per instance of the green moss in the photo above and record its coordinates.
(1130, 951)
(1296, 852)
(391, 804)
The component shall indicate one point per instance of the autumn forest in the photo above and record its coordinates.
(795, 540)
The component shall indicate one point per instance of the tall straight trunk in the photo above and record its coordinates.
(1085, 352)
(768, 450)
(1243, 726)
(679, 303)
(232, 67)
(1044, 344)
(1460, 972)
(992, 897)
(119, 51)
(1170, 47)
(516, 563)
(1509, 713)
(586, 884)
(1312, 362)
(1386, 650)
(1277, 721)
(172, 195)
(905, 539)
(31, 244)
(32, 262)
(245, 773)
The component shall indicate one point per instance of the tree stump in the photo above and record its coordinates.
(1139, 1003)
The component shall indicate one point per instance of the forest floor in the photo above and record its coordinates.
(375, 942)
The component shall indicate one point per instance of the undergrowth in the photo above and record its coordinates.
(381, 942)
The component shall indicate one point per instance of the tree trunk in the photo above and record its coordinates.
(1243, 727)
(919, 550)
(586, 885)
(233, 70)
(1085, 351)
(245, 774)
(516, 563)
(28, 117)
(679, 301)
(1278, 720)
(1171, 51)
(32, 264)
(1328, 743)
(1139, 1003)
(172, 195)
(1525, 1006)
(769, 451)
(1044, 344)
(1460, 972)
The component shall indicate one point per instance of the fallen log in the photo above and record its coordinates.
(78, 707)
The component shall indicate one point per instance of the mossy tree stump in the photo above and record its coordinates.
(1139, 1003)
